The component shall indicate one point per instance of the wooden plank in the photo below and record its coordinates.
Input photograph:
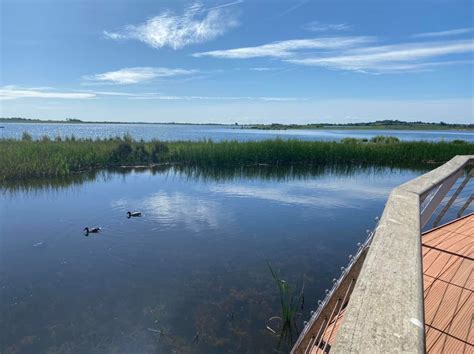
(448, 277)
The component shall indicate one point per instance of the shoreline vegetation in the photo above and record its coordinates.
(377, 125)
(28, 158)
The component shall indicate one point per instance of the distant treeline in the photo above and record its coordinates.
(78, 121)
(28, 120)
(380, 124)
(60, 157)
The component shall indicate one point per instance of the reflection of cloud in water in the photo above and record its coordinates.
(349, 188)
(322, 194)
(279, 195)
(178, 208)
(119, 203)
(198, 209)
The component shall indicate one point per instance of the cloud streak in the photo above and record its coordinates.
(391, 58)
(261, 69)
(360, 54)
(225, 5)
(453, 32)
(285, 49)
(136, 75)
(196, 25)
(293, 8)
(316, 26)
(215, 98)
(12, 93)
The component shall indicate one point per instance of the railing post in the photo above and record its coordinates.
(464, 207)
(453, 198)
(438, 197)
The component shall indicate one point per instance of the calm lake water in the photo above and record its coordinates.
(217, 133)
(191, 275)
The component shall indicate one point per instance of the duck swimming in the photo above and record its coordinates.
(92, 230)
(133, 214)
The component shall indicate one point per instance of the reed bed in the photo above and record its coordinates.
(388, 152)
(59, 157)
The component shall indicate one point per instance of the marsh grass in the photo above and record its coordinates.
(59, 157)
(281, 152)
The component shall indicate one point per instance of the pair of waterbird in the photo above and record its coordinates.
(95, 230)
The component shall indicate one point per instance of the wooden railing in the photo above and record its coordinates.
(385, 312)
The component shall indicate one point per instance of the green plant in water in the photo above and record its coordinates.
(54, 157)
(26, 136)
(381, 139)
(290, 302)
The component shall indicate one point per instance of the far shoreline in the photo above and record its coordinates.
(377, 125)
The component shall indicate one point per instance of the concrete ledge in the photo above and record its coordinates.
(385, 313)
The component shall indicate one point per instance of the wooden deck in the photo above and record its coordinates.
(329, 335)
(448, 278)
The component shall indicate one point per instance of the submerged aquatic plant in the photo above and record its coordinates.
(290, 301)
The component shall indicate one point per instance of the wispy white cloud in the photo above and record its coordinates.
(285, 49)
(387, 68)
(225, 5)
(293, 8)
(196, 25)
(359, 53)
(136, 75)
(316, 26)
(453, 32)
(391, 58)
(13, 92)
(214, 98)
(261, 69)
(111, 93)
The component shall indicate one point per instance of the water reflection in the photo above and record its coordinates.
(50, 183)
(191, 274)
(329, 195)
(263, 172)
(176, 207)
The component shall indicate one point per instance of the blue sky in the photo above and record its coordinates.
(238, 61)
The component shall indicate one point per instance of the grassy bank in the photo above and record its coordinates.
(27, 158)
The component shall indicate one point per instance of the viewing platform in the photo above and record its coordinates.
(406, 290)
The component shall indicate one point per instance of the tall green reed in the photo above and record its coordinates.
(40, 158)
(290, 302)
